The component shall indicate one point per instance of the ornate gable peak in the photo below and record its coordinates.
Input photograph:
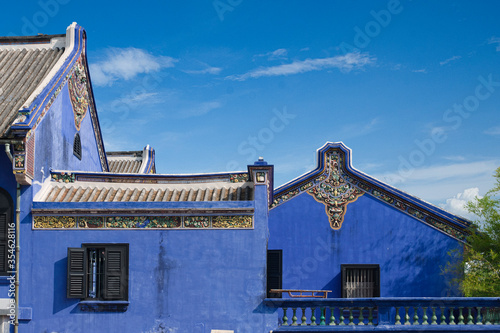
(335, 183)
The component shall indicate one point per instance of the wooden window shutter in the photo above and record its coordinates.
(116, 273)
(274, 272)
(77, 263)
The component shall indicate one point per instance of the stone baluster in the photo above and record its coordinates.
(370, 315)
(285, 318)
(332, 316)
(415, 316)
(407, 315)
(433, 318)
(303, 318)
(351, 317)
(479, 320)
(470, 319)
(361, 318)
(294, 317)
(313, 317)
(425, 318)
(443, 316)
(452, 316)
(398, 317)
(460, 316)
(341, 319)
(487, 317)
(322, 317)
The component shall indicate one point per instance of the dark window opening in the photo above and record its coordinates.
(6, 210)
(77, 146)
(98, 272)
(274, 272)
(359, 281)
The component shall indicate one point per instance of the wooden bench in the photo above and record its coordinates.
(308, 293)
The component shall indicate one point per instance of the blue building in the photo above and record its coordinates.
(105, 244)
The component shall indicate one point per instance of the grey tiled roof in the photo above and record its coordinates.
(125, 162)
(108, 192)
(21, 71)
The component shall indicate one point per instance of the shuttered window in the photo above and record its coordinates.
(274, 272)
(98, 271)
(360, 281)
(6, 210)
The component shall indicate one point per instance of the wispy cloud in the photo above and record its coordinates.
(423, 70)
(276, 54)
(345, 62)
(495, 40)
(207, 70)
(493, 131)
(456, 204)
(200, 109)
(440, 182)
(437, 173)
(125, 64)
(359, 129)
(444, 62)
(456, 158)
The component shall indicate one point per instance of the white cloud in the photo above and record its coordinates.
(444, 62)
(456, 158)
(276, 54)
(495, 40)
(441, 172)
(440, 182)
(199, 110)
(359, 129)
(143, 98)
(456, 205)
(493, 131)
(345, 62)
(419, 70)
(208, 70)
(125, 64)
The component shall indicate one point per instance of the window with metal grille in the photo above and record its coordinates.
(360, 281)
(6, 210)
(274, 272)
(77, 146)
(98, 272)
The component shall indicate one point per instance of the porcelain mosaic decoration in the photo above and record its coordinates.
(143, 222)
(336, 188)
(78, 93)
(329, 188)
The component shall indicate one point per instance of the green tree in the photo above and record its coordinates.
(480, 262)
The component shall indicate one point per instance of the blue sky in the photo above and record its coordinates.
(412, 87)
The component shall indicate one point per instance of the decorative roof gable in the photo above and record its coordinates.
(38, 68)
(335, 183)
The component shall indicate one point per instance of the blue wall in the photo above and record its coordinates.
(8, 183)
(184, 280)
(54, 141)
(410, 253)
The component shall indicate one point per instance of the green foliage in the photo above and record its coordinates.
(481, 258)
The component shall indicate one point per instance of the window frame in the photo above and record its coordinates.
(277, 273)
(115, 275)
(376, 275)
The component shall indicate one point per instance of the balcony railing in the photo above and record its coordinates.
(387, 314)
